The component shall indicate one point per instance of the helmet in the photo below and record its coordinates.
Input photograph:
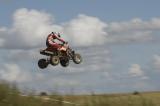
(53, 32)
(56, 33)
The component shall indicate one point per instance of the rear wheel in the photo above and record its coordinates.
(54, 60)
(77, 58)
(64, 62)
(42, 63)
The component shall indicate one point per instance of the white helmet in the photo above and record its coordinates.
(56, 33)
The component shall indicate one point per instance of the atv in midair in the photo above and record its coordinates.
(62, 56)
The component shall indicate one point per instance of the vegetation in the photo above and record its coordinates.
(10, 96)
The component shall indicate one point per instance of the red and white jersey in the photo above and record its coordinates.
(52, 37)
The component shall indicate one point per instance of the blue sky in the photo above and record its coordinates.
(107, 10)
(118, 40)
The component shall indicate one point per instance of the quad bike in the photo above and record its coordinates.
(62, 56)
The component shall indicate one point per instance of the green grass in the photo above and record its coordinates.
(142, 99)
(10, 96)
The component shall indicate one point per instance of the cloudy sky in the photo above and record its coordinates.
(118, 40)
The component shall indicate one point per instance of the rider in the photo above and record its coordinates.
(50, 41)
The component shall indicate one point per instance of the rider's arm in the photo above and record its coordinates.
(60, 39)
(50, 39)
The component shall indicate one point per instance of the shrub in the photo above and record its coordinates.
(136, 93)
(43, 94)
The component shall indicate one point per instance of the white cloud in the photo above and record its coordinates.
(31, 76)
(94, 59)
(156, 61)
(135, 24)
(130, 37)
(142, 86)
(135, 30)
(135, 70)
(2, 33)
(155, 24)
(86, 30)
(2, 42)
(23, 55)
(13, 73)
(31, 27)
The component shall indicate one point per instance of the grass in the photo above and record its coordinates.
(142, 99)
(10, 96)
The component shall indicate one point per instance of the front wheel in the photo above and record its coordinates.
(77, 58)
(64, 62)
(42, 63)
(54, 60)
